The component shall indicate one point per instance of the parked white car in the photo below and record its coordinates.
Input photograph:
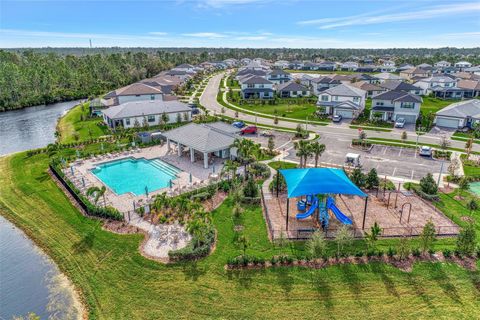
(400, 123)
(425, 151)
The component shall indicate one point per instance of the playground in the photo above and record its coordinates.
(325, 199)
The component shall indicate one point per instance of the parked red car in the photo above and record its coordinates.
(249, 130)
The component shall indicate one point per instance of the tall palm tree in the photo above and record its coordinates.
(230, 168)
(303, 151)
(317, 149)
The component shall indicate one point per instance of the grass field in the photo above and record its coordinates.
(72, 125)
(432, 105)
(118, 283)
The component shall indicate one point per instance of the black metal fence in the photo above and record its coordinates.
(72, 192)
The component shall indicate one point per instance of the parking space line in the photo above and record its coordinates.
(394, 170)
(411, 177)
(384, 150)
(400, 152)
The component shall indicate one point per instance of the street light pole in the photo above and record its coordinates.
(418, 136)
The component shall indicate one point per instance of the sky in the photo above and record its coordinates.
(241, 23)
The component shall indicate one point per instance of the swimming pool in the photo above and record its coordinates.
(475, 188)
(134, 175)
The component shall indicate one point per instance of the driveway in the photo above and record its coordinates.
(442, 132)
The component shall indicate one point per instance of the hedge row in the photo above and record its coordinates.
(196, 249)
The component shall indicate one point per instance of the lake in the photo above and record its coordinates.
(30, 128)
(29, 280)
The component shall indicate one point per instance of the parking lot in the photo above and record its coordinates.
(397, 162)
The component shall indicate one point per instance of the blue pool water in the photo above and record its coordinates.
(133, 175)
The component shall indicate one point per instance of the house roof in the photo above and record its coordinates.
(469, 84)
(367, 86)
(339, 104)
(440, 78)
(255, 72)
(400, 96)
(387, 76)
(462, 109)
(345, 90)
(473, 69)
(184, 66)
(417, 70)
(145, 108)
(278, 72)
(201, 137)
(133, 89)
(291, 86)
(398, 85)
(257, 80)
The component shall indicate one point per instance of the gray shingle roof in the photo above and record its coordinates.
(133, 89)
(346, 91)
(398, 85)
(291, 86)
(201, 137)
(145, 108)
(462, 109)
(257, 80)
(401, 96)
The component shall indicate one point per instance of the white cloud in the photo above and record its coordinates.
(252, 38)
(158, 33)
(210, 35)
(222, 3)
(371, 18)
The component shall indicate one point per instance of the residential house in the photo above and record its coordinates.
(425, 66)
(442, 64)
(367, 78)
(471, 87)
(135, 92)
(385, 76)
(281, 64)
(327, 66)
(345, 100)
(231, 62)
(405, 66)
(320, 84)
(474, 70)
(459, 115)
(441, 86)
(349, 66)
(296, 65)
(292, 90)
(462, 65)
(395, 85)
(145, 113)
(245, 61)
(370, 88)
(185, 67)
(250, 72)
(392, 105)
(367, 68)
(415, 72)
(183, 75)
(310, 66)
(388, 66)
(98, 104)
(256, 87)
(278, 76)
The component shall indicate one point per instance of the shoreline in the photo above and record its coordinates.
(63, 281)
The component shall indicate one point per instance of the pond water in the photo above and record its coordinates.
(30, 128)
(29, 280)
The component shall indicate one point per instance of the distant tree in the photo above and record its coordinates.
(403, 248)
(463, 185)
(271, 145)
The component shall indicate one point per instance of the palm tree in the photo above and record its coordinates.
(97, 192)
(317, 149)
(303, 151)
(230, 168)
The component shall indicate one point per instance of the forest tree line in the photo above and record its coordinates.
(48, 75)
(29, 78)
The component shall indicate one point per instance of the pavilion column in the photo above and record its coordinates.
(179, 149)
(205, 160)
(288, 209)
(364, 213)
(192, 155)
(168, 145)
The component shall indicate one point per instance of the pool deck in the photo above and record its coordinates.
(161, 238)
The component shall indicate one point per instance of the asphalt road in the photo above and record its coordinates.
(342, 131)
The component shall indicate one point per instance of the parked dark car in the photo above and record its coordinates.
(195, 111)
(249, 130)
(337, 118)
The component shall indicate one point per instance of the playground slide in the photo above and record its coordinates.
(310, 211)
(339, 214)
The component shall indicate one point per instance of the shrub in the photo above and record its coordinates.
(282, 186)
(467, 240)
(317, 245)
(251, 189)
(391, 252)
(197, 248)
(416, 252)
(427, 237)
(428, 185)
(447, 253)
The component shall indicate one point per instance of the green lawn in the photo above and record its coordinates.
(72, 124)
(282, 165)
(118, 283)
(296, 111)
(432, 105)
(471, 170)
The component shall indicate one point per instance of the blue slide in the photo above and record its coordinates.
(338, 214)
(310, 211)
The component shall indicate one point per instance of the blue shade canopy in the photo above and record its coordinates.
(301, 182)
